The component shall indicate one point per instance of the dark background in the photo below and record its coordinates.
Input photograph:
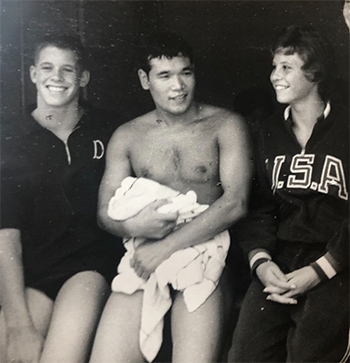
(231, 41)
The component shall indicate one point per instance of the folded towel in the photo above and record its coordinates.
(194, 270)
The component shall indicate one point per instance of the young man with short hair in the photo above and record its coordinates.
(183, 146)
(55, 262)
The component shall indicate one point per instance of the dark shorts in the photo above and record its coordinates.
(51, 280)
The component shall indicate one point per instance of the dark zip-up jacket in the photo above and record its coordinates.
(301, 196)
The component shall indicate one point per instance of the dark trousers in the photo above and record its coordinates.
(314, 330)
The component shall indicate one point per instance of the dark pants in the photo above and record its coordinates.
(314, 330)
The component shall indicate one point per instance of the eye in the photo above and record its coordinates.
(46, 68)
(286, 68)
(69, 70)
(187, 73)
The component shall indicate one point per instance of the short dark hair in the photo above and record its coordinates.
(318, 56)
(63, 41)
(164, 44)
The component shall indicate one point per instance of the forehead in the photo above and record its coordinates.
(53, 54)
(164, 64)
(281, 57)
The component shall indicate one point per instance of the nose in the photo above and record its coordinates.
(178, 82)
(57, 75)
(275, 75)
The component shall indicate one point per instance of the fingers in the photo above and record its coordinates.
(282, 299)
(140, 271)
(283, 285)
(274, 290)
(279, 274)
(272, 277)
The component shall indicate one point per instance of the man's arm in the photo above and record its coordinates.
(23, 340)
(235, 174)
(149, 223)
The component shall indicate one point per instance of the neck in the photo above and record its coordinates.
(306, 113)
(173, 119)
(60, 121)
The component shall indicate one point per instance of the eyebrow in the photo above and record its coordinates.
(50, 63)
(188, 68)
(283, 62)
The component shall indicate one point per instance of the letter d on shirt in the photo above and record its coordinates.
(99, 149)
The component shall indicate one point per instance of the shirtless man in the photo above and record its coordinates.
(185, 146)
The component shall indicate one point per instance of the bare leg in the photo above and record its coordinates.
(198, 336)
(40, 308)
(117, 338)
(77, 310)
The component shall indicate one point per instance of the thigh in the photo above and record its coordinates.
(321, 320)
(117, 337)
(77, 310)
(261, 330)
(198, 336)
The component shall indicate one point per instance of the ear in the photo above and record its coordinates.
(143, 76)
(32, 72)
(84, 78)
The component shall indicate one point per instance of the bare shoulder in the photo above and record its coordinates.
(132, 130)
(223, 118)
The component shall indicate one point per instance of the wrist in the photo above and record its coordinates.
(323, 268)
(257, 264)
(258, 259)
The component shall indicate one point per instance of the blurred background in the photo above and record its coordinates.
(231, 41)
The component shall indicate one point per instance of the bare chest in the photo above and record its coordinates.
(177, 157)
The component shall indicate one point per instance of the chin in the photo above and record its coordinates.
(281, 99)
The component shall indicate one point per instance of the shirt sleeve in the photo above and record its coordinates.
(12, 185)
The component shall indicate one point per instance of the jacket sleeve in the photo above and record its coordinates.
(336, 258)
(258, 230)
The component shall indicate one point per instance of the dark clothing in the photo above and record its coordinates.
(302, 195)
(314, 330)
(300, 212)
(49, 192)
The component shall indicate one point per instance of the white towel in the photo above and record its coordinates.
(194, 270)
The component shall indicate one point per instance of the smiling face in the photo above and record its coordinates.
(289, 80)
(171, 83)
(58, 77)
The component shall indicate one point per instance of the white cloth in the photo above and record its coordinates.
(194, 270)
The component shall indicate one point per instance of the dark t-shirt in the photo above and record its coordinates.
(49, 192)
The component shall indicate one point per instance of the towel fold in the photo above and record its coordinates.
(194, 270)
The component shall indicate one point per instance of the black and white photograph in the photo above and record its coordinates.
(174, 181)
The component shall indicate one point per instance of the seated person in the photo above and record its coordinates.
(297, 235)
(55, 262)
(197, 151)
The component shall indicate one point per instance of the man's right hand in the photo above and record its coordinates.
(24, 344)
(150, 223)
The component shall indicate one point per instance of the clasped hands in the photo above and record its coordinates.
(154, 226)
(285, 288)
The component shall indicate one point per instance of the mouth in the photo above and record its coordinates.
(56, 88)
(180, 97)
(279, 87)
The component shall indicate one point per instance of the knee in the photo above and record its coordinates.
(87, 281)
